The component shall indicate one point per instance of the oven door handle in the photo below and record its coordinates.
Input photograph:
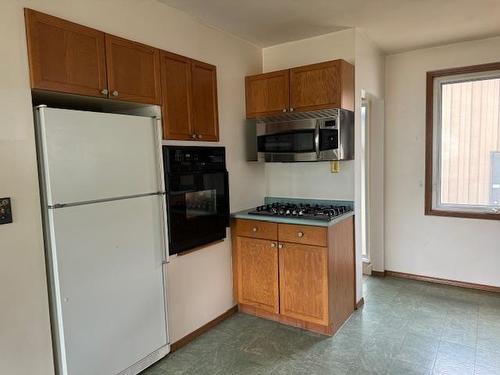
(316, 140)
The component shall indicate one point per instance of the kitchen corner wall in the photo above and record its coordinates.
(314, 180)
(450, 248)
(200, 282)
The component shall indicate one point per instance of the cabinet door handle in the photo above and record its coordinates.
(291, 109)
(200, 136)
(284, 109)
(115, 93)
(300, 234)
(273, 245)
(104, 91)
(254, 229)
(280, 246)
(193, 136)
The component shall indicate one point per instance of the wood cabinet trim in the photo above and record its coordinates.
(132, 97)
(37, 81)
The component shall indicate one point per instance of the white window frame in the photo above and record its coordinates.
(437, 205)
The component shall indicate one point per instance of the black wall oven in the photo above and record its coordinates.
(196, 180)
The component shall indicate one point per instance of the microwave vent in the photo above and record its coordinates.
(294, 116)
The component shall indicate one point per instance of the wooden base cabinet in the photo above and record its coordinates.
(307, 281)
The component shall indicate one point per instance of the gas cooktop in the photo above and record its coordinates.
(303, 211)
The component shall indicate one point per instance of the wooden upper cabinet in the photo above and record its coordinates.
(133, 71)
(257, 262)
(320, 86)
(267, 94)
(303, 276)
(176, 94)
(65, 56)
(204, 101)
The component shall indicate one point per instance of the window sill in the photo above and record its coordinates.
(463, 214)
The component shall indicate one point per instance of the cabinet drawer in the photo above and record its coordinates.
(303, 234)
(256, 229)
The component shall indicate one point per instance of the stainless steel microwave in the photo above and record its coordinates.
(307, 139)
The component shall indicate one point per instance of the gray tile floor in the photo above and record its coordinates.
(405, 327)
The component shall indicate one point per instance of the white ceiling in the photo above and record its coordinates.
(395, 25)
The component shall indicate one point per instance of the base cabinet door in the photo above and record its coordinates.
(258, 273)
(303, 275)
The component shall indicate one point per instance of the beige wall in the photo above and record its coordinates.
(200, 283)
(450, 248)
(314, 180)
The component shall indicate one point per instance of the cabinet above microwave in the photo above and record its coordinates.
(306, 88)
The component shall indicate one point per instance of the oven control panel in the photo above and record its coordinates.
(193, 158)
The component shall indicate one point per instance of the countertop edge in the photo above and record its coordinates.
(316, 223)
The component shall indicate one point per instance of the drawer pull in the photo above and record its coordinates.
(254, 229)
(300, 234)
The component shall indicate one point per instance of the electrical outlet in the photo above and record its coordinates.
(5, 211)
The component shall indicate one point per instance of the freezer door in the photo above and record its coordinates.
(88, 156)
(107, 284)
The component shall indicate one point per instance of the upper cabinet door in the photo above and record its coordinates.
(267, 94)
(204, 101)
(65, 56)
(176, 94)
(320, 86)
(133, 71)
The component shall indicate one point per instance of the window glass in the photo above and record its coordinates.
(469, 170)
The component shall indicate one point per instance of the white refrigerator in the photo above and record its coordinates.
(103, 206)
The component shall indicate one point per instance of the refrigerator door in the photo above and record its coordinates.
(89, 156)
(107, 284)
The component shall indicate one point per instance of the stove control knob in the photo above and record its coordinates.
(300, 234)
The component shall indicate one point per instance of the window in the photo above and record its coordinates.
(463, 142)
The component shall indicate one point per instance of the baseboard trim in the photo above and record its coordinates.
(437, 280)
(378, 273)
(360, 303)
(200, 331)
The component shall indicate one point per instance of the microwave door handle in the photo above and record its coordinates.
(316, 140)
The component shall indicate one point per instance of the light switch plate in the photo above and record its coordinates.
(5, 211)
